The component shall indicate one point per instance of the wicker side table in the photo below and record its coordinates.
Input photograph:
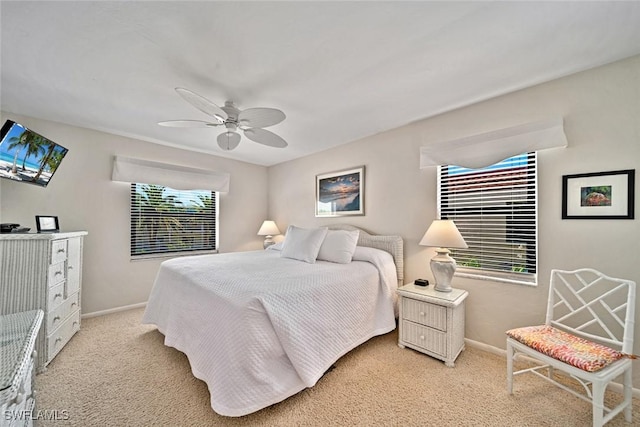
(432, 322)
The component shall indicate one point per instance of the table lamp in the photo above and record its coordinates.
(268, 229)
(443, 234)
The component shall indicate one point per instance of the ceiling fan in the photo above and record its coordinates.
(250, 121)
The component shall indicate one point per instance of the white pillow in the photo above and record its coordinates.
(339, 246)
(276, 246)
(303, 244)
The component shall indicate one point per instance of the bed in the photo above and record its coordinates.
(260, 326)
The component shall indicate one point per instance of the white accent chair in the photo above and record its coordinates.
(592, 306)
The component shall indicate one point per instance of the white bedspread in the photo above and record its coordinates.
(258, 328)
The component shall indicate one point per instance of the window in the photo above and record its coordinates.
(495, 209)
(166, 221)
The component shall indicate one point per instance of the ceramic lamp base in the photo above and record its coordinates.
(268, 241)
(443, 267)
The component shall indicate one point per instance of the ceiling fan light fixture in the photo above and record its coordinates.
(250, 121)
(228, 140)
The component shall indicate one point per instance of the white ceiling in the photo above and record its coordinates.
(339, 70)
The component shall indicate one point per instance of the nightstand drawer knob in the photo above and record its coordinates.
(422, 313)
(422, 337)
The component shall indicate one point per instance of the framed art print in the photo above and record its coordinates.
(599, 195)
(47, 224)
(340, 193)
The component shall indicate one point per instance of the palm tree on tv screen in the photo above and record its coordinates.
(16, 142)
(54, 160)
(35, 145)
(46, 160)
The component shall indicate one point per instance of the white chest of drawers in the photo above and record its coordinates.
(432, 322)
(18, 334)
(43, 271)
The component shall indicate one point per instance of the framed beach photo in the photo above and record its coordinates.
(47, 224)
(599, 195)
(340, 193)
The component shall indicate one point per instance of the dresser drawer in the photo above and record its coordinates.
(61, 312)
(55, 297)
(425, 313)
(63, 334)
(427, 338)
(57, 273)
(58, 251)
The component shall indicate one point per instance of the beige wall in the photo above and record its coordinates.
(601, 108)
(83, 197)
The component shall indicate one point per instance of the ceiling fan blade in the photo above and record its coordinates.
(187, 124)
(260, 117)
(202, 104)
(262, 136)
(228, 140)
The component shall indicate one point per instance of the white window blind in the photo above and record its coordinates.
(168, 221)
(495, 209)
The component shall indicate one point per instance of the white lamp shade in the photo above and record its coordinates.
(443, 234)
(269, 228)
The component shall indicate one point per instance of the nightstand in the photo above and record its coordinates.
(432, 322)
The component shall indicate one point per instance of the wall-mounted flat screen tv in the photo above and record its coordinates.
(26, 156)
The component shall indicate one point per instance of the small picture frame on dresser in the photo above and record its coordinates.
(47, 224)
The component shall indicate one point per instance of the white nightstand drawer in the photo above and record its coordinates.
(58, 251)
(425, 313)
(430, 339)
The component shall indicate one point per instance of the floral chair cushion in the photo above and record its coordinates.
(567, 348)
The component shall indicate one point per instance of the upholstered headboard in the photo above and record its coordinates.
(392, 244)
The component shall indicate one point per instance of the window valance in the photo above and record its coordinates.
(174, 176)
(483, 150)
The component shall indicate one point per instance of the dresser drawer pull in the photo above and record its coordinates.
(422, 337)
(422, 313)
(57, 296)
(60, 251)
(55, 319)
(73, 304)
(57, 273)
(70, 267)
(57, 341)
(75, 323)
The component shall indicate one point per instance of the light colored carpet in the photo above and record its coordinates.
(117, 372)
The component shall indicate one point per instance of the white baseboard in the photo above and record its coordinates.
(113, 310)
(503, 353)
